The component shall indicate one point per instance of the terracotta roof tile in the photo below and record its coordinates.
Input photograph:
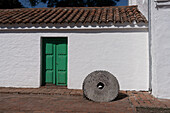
(22, 16)
(52, 15)
(77, 16)
(103, 17)
(84, 16)
(123, 15)
(71, 16)
(65, 15)
(54, 20)
(33, 15)
(90, 16)
(114, 14)
(110, 15)
(46, 15)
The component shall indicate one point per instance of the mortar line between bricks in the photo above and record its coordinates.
(160, 102)
(144, 96)
(136, 99)
(148, 99)
(131, 104)
(140, 100)
(133, 107)
(152, 101)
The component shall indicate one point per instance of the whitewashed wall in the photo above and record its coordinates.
(19, 60)
(124, 54)
(160, 48)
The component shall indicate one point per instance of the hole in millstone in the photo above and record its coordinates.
(100, 85)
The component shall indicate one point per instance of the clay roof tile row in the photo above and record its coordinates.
(72, 15)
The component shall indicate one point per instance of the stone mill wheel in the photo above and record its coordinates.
(100, 86)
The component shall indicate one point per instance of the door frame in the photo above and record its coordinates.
(42, 57)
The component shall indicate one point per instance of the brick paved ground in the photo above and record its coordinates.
(44, 99)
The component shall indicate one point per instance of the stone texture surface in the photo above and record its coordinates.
(100, 86)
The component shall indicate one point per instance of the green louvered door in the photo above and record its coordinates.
(55, 61)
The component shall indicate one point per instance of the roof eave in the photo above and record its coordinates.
(73, 26)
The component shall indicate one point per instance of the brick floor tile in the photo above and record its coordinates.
(61, 91)
(57, 91)
(159, 104)
(148, 104)
(46, 99)
(13, 112)
(61, 103)
(12, 90)
(43, 112)
(133, 101)
(73, 92)
(18, 90)
(150, 97)
(79, 92)
(143, 97)
(166, 102)
(146, 93)
(129, 93)
(5, 90)
(39, 91)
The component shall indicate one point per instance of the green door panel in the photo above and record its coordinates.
(62, 62)
(49, 76)
(49, 62)
(62, 49)
(49, 48)
(54, 59)
(61, 77)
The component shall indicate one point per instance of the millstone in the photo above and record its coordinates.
(100, 86)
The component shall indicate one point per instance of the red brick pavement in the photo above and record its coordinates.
(44, 99)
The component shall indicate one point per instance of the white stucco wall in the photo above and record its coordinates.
(160, 49)
(123, 53)
(19, 60)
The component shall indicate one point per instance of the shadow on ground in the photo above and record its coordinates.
(121, 96)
